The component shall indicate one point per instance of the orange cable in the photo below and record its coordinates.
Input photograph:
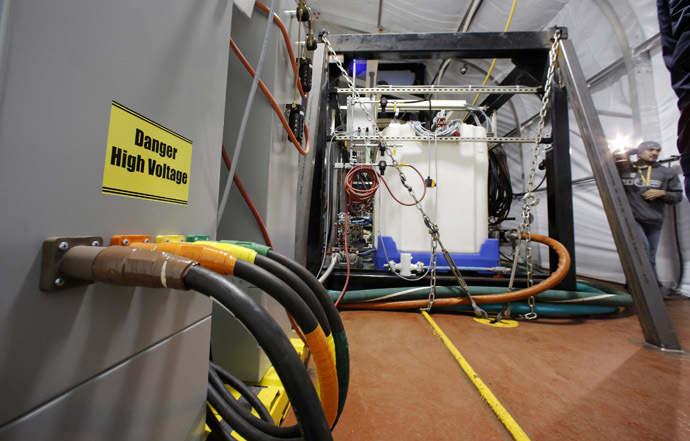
(396, 199)
(274, 104)
(286, 38)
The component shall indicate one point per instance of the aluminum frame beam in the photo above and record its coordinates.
(654, 319)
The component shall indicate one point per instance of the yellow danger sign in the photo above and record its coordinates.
(145, 160)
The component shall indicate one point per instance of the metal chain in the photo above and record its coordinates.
(431, 226)
(432, 287)
(530, 199)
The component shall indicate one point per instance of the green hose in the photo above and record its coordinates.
(598, 295)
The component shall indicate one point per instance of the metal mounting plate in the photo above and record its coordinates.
(54, 248)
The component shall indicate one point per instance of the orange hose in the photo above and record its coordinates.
(546, 284)
(286, 38)
(273, 103)
(326, 371)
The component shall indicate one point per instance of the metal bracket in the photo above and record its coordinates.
(54, 249)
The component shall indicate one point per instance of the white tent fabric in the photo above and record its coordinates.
(598, 29)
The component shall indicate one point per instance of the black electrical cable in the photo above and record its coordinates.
(293, 375)
(239, 424)
(296, 306)
(342, 355)
(500, 192)
(297, 285)
(239, 411)
(266, 280)
(244, 391)
(219, 429)
(537, 188)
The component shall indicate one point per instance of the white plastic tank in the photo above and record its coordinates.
(459, 202)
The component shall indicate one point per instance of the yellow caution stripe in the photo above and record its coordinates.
(500, 411)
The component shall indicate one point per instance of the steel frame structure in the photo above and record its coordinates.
(528, 51)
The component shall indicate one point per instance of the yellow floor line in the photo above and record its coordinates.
(500, 411)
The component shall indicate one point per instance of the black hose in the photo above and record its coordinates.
(239, 424)
(244, 391)
(293, 375)
(342, 352)
(280, 291)
(296, 284)
(239, 411)
(500, 189)
(219, 429)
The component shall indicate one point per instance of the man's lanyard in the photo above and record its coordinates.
(649, 173)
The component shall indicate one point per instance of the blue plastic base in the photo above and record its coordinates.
(486, 258)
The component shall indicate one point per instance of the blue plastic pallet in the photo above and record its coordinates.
(486, 258)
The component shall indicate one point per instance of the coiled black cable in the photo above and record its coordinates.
(244, 391)
(303, 315)
(297, 284)
(220, 431)
(280, 291)
(342, 351)
(239, 424)
(500, 188)
(294, 376)
(240, 418)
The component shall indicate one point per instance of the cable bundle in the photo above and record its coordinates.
(144, 264)
(449, 129)
(500, 188)
(360, 191)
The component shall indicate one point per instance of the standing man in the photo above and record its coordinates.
(674, 26)
(650, 187)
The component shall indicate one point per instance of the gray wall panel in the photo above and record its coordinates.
(63, 63)
(268, 161)
(159, 394)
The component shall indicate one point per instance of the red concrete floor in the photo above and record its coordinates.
(561, 379)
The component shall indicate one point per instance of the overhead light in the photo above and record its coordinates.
(619, 143)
